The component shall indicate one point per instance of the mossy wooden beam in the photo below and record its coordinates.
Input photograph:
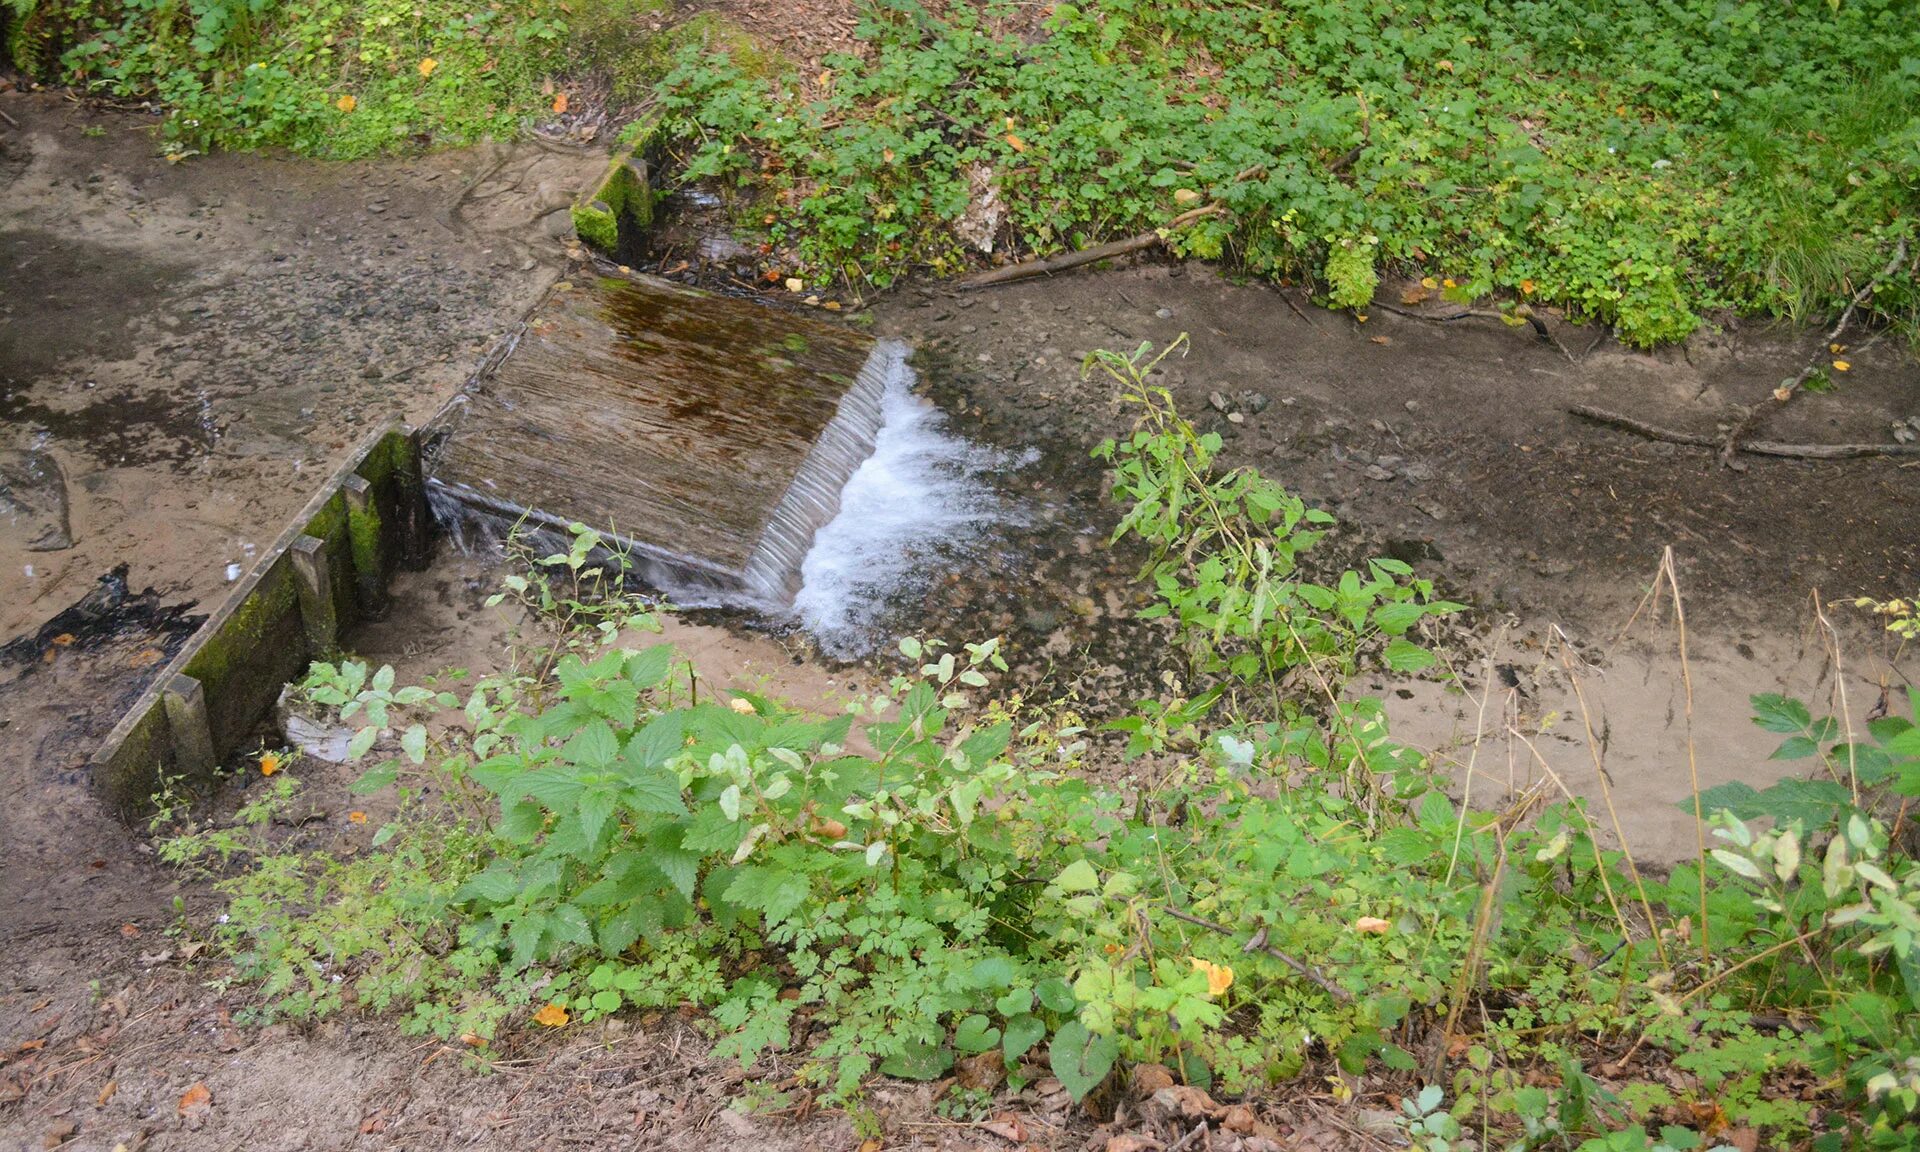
(210, 698)
(622, 203)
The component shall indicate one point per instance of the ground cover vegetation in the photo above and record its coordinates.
(1282, 896)
(1638, 162)
(1644, 163)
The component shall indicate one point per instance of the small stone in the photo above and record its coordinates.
(1413, 405)
(1218, 402)
(1375, 472)
(1236, 418)
(1163, 313)
(1255, 402)
(1417, 472)
(370, 372)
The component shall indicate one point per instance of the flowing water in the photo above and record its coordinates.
(909, 514)
(742, 457)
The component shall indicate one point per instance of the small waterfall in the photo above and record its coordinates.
(813, 499)
(907, 516)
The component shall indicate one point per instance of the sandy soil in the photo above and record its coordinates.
(190, 343)
(1449, 446)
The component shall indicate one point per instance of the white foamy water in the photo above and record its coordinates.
(907, 511)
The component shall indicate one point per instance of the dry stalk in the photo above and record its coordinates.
(1606, 793)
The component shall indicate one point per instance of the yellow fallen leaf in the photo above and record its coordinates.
(346, 103)
(1016, 143)
(1371, 926)
(1219, 976)
(1836, 349)
(741, 705)
(1449, 282)
(1842, 366)
(1444, 65)
(428, 65)
(559, 103)
(1781, 394)
(1526, 287)
(1429, 283)
(552, 1016)
(1185, 196)
(831, 305)
(356, 817)
(270, 762)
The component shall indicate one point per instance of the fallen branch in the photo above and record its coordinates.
(1522, 313)
(1259, 944)
(1047, 266)
(1754, 447)
(1792, 385)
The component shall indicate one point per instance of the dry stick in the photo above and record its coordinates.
(1755, 447)
(1523, 313)
(1606, 793)
(1672, 578)
(1299, 966)
(1027, 269)
(1840, 685)
(1787, 388)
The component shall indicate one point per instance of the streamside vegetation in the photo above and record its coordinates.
(1642, 163)
(1283, 898)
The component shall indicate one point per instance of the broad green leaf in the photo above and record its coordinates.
(918, 1061)
(1021, 1034)
(1081, 1059)
(1078, 876)
(976, 1034)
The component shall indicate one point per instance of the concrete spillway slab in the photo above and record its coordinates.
(711, 434)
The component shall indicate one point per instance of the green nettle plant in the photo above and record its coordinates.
(933, 876)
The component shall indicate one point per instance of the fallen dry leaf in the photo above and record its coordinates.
(1133, 1142)
(1219, 976)
(129, 930)
(1416, 295)
(62, 640)
(559, 103)
(981, 1073)
(145, 658)
(59, 1134)
(1182, 1102)
(195, 1104)
(1380, 339)
(1842, 366)
(1006, 1125)
(872, 1144)
(1745, 1139)
(106, 1094)
(552, 1016)
(1150, 1078)
(1371, 926)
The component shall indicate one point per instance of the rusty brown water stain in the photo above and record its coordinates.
(676, 418)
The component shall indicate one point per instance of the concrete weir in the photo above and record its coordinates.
(710, 435)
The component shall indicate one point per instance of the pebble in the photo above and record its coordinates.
(1413, 405)
(1164, 313)
(1375, 472)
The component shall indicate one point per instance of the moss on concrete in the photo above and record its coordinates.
(622, 201)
